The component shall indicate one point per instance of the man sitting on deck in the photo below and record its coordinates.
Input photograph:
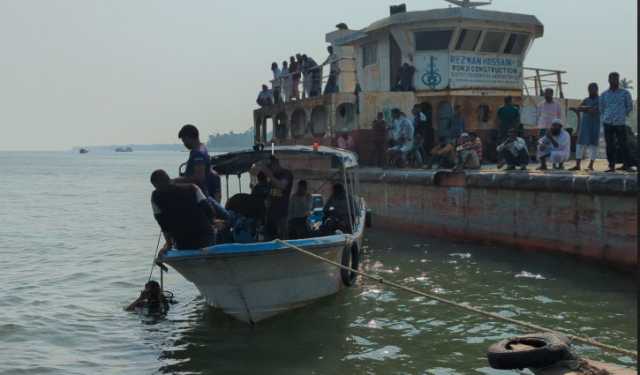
(183, 212)
(556, 144)
(514, 151)
(468, 152)
(443, 155)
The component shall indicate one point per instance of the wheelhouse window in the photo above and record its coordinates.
(369, 54)
(493, 41)
(516, 44)
(468, 40)
(433, 40)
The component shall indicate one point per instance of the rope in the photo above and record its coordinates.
(467, 307)
(153, 262)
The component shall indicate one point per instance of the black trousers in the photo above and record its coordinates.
(615, 137)
(522, 159)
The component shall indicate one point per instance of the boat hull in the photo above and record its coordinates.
(255, 281)
(254, 287)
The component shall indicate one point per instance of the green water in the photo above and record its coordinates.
(77, 237)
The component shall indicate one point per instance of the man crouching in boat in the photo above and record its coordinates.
(183, 212)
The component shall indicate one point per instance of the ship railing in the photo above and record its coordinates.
(285, 82)
(536, 80)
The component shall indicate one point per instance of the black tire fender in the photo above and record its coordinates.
(350, 258)
(547, 349)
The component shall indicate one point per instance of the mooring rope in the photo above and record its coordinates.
(467, 307)
(155, 254)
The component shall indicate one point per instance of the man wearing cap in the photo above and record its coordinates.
(554, 145)
(198, 169)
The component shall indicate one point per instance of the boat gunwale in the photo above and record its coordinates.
(259, 248)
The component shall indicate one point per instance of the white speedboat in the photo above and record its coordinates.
(255, 281)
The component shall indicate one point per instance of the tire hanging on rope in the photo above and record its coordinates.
(351, 259)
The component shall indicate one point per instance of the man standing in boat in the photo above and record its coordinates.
(281, 180)
(198, 169)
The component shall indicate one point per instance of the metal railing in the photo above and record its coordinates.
(308, 85)
(539, 79)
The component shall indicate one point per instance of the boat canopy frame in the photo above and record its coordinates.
(239, 162)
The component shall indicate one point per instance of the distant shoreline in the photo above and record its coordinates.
(153, 147)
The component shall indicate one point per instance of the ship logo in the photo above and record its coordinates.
(432, 77)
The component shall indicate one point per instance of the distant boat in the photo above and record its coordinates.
(124, 149)
(83, 151)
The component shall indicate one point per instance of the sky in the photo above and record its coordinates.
(101, 72)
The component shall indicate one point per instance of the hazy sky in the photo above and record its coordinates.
(88, 72)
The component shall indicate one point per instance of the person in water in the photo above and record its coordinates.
(183, 212)
(198, 169)
(151, 297)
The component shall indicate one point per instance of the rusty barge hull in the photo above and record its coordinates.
(593, 217)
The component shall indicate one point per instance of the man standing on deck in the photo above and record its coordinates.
(402, 137)
(379, 127)
(458, 125)
(589, 130)
(183, 213)
(278, 202)
(198, 169)
(615, 106)
(508, 118)
(421, 130)
(332, 82)
(546, 112)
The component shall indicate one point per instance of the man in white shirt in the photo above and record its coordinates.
(556, 145)
(513, 151)
(547, 111)
(276, 83)
(402, 137)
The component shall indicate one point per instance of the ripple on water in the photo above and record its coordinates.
(381, 354)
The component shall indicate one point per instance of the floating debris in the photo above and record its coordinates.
(529, 275)
(461, 255)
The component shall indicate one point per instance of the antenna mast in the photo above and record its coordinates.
(469, 3)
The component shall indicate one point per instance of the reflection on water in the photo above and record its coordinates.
(74, 257)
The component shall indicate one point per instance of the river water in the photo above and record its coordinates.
(77, 238)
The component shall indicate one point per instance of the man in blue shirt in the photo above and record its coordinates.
(198, 169)
(615, 106)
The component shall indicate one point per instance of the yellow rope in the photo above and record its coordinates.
(534, 327)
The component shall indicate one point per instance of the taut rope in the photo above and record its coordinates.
(535, 327)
